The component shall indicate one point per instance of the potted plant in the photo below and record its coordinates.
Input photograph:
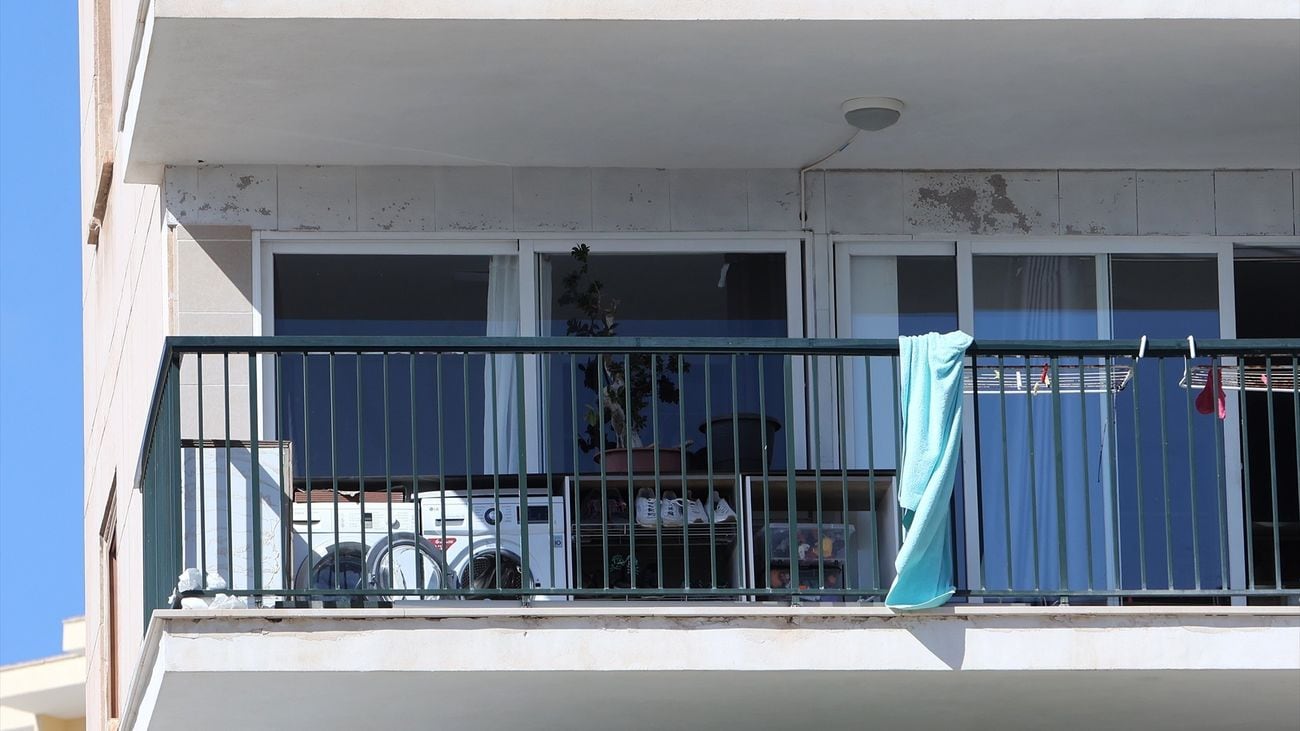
(624, 385)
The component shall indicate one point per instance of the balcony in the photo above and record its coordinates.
(333, 506)
(372, 472)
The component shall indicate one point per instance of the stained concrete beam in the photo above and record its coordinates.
(981, 203)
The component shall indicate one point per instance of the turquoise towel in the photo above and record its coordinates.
(930, 370)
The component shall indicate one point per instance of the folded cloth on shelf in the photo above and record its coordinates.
(930, 398)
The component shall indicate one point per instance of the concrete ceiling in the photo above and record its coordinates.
(728, 701)
(979, 94)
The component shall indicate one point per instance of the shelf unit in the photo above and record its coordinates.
(869, 514)
(703, 550)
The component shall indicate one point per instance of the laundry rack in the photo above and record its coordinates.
(1259, 378)
(1040, 378)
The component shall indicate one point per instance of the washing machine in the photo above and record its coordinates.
(344, 547)
(482, 540)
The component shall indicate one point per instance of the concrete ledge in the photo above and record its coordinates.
(468, 609)
(724, 9)
(1203, 667)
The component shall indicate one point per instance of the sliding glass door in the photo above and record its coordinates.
(1071, 494)
(601, 290)
(888, 291)
(341, 411)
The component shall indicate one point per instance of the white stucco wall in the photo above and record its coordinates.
(125, 317)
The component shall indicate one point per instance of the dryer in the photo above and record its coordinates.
(345, 548)
(482, 540)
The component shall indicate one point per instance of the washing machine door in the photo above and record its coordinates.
(341, 567)
(490, 569)
(405, 563)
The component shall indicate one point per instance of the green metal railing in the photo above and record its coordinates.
(356, 470)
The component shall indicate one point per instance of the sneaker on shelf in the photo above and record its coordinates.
(722, 512)
(695, 512)
(647, 508)
(672, 510)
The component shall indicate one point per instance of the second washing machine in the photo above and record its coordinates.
(482, 538)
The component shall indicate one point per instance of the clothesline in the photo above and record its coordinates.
(1278, 379)
(1041, 379)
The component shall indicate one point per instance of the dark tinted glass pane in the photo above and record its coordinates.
(337, 410)
(679, 295)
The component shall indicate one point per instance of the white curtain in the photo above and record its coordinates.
(874, 303)
(500, 405)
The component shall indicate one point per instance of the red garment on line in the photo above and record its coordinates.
(1212, 395)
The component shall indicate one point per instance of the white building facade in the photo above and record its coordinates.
(353, 234)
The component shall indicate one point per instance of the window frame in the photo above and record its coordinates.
(527, 247)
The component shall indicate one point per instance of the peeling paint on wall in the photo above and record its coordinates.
(981, 203)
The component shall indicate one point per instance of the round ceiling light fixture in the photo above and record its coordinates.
(872, 113)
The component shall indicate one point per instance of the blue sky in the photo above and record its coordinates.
(40, 327)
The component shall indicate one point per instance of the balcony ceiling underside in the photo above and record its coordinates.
(729, 93)
(739, 700)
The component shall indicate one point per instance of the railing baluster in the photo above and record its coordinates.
(1295, 424)
(1058, 451)
(848, 575)
(871, 479)
(681, 431)
(1087, 483)
(654, 437)
(736, 486)
(1164, 477)
(708, 445)
(579, 579)
(899, 533)
(255, 496)
(230, 498)
(1191, 477)
(629, 428)
(1248, 508)
(982, 579)
(767, 493)
(388, 459)
(521, 463)
(1275, 517)
(286, 512)
(816, 457)
(544, 362)
(361, 472)
(469, 571)
(791, 501)
(1220, 481)
(445, 582)
(309, 567)
(496, 470)
(201, 469)
(415, 482)
(334, 476)
(1006, 470)
(1112, 476)
(1033, 477)
(599, 364)
(1137, 457)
